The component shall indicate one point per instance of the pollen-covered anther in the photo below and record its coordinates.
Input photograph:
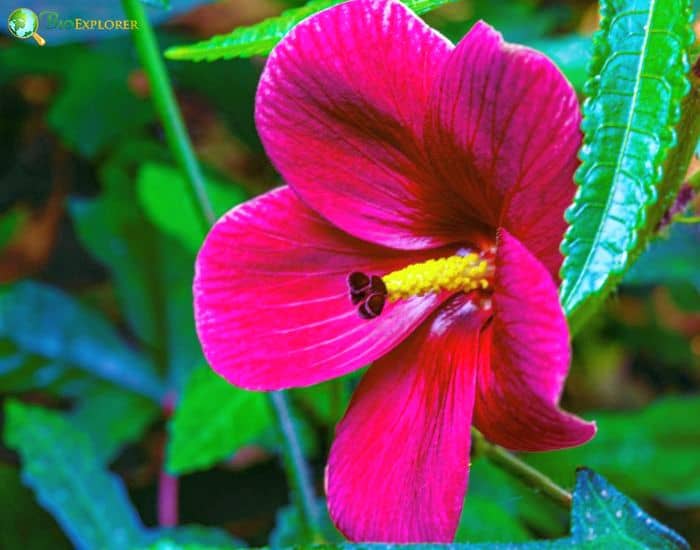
(452, 274)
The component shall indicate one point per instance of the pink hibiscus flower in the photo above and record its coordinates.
(419, 232)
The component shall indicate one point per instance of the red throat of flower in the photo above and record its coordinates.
(459, 273)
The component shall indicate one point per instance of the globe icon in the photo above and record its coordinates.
(23, 23)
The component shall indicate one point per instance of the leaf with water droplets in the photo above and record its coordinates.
(602, 518)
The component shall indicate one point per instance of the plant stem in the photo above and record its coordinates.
(694, 180)
(168, 485)
(181, 146)
(167, 108)
(297, 469)
(168, 489)
(526, 473)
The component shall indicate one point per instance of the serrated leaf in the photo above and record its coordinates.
(44, 322)
(662, 438)
(112, 418)
(164, 196)
(212, 421)
(638, 79)
(259, 39)
(61, 466)
(604, 518)
(152, 272)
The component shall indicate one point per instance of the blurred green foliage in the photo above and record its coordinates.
(601, 518)
(104, 380)
(652, 452)
(161, 191)
(234, 418)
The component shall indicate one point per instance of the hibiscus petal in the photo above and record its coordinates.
(271, 299)
(519, 387)
(503, 127)
(398, 468)
(340, 110)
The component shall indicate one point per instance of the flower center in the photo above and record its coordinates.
(453, 274)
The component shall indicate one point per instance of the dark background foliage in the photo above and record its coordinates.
(100, 370)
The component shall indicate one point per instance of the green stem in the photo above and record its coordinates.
(181, 146)
(167, 108)
(523, 471)
(694, 180)
(296, 466)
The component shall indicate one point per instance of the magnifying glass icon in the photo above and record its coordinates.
(23, 23)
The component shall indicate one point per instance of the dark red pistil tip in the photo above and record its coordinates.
(368, 293)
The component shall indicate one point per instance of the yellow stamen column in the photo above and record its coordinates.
(455, 273)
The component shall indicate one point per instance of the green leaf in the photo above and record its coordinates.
(152, 272)
(61, 466)
(163, 193)
(112, 418)
(638, 79)
(42, 321)
(663, 439)
(259, 39)
(212, 421)
(604, 518)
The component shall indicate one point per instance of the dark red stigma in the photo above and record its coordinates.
(368, 293)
